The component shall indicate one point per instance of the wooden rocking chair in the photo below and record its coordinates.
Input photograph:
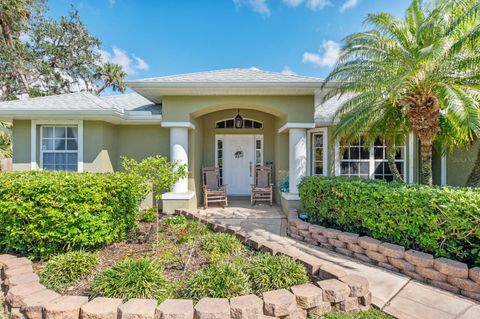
(262, 190)
(213, 192)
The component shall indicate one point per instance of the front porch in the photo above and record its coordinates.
(241, 213)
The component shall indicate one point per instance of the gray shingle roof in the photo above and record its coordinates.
(232, 76)
(132, 102)
(325, 112)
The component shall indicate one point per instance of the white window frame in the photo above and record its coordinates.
(372, 160)
(311, 153)
(242, 128)
(33, 141)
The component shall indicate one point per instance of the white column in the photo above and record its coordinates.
(179, 154)
(297, 157)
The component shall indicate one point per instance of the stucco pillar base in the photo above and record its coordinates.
(172, 201)
(291, 201)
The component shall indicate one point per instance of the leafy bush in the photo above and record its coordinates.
(148, 215)
(132, 278)
(220, 246)
(439, 220)
(63, 270)
(46, 213)
(220, 280)
(267, 272)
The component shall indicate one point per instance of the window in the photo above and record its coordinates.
(219, 158)
(247, 123)
(259, 150)
(318, 154)
(59, 148)
(358, 159)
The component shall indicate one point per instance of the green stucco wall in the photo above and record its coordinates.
(21, 145)
(460, 164)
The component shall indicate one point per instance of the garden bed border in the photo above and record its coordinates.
(25, 297)
(447, 274)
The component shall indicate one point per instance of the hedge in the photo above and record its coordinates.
(45, 213)
(444, 221)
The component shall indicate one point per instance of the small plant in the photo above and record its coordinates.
(182, 229)
(220, 246)
(66, 269)
(222, 280)
(266, 272)
(132, 278)
(148, 215)
(369, 314)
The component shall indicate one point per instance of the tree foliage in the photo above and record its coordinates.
(420, 73)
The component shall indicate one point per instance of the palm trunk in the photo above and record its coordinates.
(390, 152)
(426, 160)
(474, 177)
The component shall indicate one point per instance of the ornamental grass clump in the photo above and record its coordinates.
(267, 272)
(132, 278)
(64, 270)
(219, 280)
(220, 246)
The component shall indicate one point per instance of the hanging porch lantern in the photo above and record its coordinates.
(238, 120)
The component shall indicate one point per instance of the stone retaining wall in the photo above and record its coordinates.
(25, 297)
(443, 273)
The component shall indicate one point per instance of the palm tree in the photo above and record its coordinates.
(112, 75)
(426, 66)
(5, 140)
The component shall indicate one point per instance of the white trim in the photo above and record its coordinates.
(443, 170)
(288, 126)
(310, 153)
(179, 124)
(290, 196)
(182, 196)
(411, 157)
(33, 141)
(337, 157)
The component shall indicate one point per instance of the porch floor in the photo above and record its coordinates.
(240, 213)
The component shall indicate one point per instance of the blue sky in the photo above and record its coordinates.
(154, 38)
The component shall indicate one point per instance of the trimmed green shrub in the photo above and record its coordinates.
(132, 278)
(148, 215)
(220, 280)
(46, 213)
(63, 270)
(443, 221)
(220, 246)
(267, 272)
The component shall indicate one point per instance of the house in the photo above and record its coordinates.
(233, 119)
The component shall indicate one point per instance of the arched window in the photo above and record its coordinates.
(247, 123)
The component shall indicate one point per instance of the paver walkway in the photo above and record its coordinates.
(396, 294)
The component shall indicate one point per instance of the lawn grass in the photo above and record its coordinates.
(370, 314)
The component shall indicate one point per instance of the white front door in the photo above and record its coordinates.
(239, 160)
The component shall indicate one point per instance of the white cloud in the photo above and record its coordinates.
(293, 3)
(349, 4)
(318, 4)
(112, 2)
(327, 55)
(288, 71)
(254, 68)
(131, 65)
(259, 6)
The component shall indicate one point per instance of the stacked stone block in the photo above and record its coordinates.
(443, 273)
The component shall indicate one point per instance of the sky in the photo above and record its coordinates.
(159, 37)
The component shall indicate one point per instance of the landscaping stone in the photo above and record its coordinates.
(330, 232)
(291, 252)
(418, 258)
(138, 309)
(401, 264)
(65, 307)
(256, 242)
(344, 251)
(444, 285)
(355, 248)
(320, 238)
(35, 303)
(349, 304)
(175, 309)
(391, 250)
(298, 313)
(366, 300)
(431, 273)
(271, 247)
(17, 294)
(376, 256)
(413, 275)
(242, 235)
(470, 294)
(22, 279)
(315, 229)
(311, 263)
(301, 225)
(337, 243)
(451, 267)
(100, 308)
(363, 258)
(297, 237)
(334, 290)
(212, 308)
(321, 309)
(304, 233)
(358, 285)
(279, 302)
(307, 295)
(12, 271)
(388, 266)
(16, 262)
(474, 274)
(464, 284)
(349, 238)
(328, 271)
(4, 257)
(327, 246)
(15, 313)
(369, 243)
(246, 307)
